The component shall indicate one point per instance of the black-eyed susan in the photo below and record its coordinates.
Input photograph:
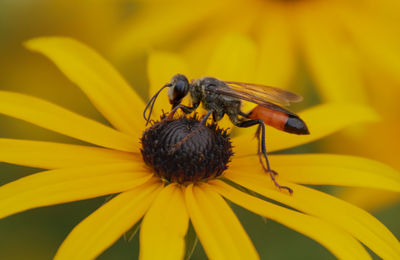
(115, 166)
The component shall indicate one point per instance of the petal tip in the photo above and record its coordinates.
(37, 43)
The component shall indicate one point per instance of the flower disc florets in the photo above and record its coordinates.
(183, 150)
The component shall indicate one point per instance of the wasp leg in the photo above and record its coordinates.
(259, 152)
(261, 141)
(185, 109)
(243, 114)
(204, 120)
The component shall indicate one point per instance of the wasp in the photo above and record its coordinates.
(221, 98)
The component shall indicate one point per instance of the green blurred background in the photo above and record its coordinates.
(36, 234)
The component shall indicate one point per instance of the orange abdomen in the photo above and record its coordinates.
(270, 117)
(280, 120)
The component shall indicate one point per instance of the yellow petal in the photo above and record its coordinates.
(160, 24)
(352, 219)
(163, 229)
(161, 68)
(325, 169)
(103, 227)
(276, 57)
(104, 86)
(234, 59)
(60, 120)
(49, 155)
(340, 243)
(199, 48)
(369, 199)
(217, 227)
(331, 57)
(376, 37)
(69, 184)
(321, 120)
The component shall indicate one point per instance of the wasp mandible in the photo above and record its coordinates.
(225, 97)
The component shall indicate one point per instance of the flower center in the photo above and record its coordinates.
(184, 150)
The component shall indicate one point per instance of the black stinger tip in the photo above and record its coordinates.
(297, 126)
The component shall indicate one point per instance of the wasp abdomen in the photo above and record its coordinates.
(280, 120)
(296, 125)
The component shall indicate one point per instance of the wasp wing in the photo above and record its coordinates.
(259, 94)
(254, 98)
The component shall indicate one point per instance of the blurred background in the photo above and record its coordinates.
(328, 51)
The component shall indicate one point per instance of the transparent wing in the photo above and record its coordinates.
(260, 94)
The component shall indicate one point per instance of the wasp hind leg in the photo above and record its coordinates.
(260, 153)
(262, 150)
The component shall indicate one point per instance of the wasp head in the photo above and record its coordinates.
(179, 88)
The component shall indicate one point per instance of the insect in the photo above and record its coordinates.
(225, 97)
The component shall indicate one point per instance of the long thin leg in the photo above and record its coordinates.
(259, 152)
(259, 149)
(261, 139)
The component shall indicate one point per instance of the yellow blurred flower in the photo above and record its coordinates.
(114, 165)
(90, 21)
(379, 141)
(339, 41)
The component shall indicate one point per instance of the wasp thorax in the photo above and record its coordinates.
(184, 150)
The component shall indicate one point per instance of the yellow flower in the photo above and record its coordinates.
(378, 141)
(114, 165)
(340, 42)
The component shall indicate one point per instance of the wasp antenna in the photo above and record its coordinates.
(151, 103)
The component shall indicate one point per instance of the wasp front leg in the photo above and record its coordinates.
(185, 109)
(205, 118)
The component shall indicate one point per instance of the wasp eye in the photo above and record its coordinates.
(179, 89)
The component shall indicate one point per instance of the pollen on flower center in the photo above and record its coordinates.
(184, 150)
